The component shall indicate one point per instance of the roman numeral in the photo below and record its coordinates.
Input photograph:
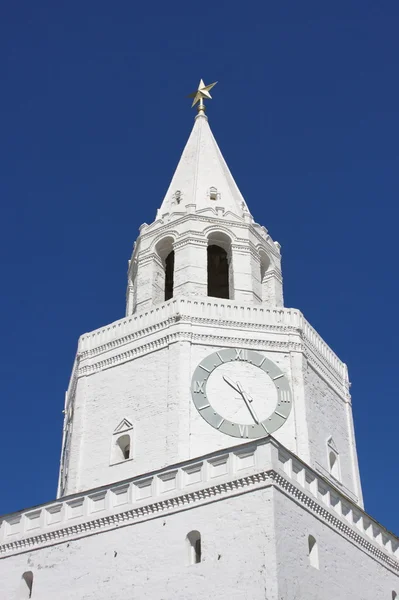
(199, 387)
(244, 431)
(279, 414)
(241, 354)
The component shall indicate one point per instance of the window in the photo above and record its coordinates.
(124, 446)
(313, 552)
(193, 541)
(218, 272)
(121, 448)
(164, 266)
(169, 270)
(333, 459)
(264, 266)
(26, 585)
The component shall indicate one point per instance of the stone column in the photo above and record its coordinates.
(190, 275)
(246, 274)
(272, 288)
(149, 283)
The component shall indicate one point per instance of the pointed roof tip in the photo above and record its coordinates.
(202, 176)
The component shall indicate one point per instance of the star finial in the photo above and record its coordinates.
(201, 93)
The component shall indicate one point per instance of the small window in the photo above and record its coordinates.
(193, 541)
(26, 585)
(123, 443)
(313, 552)
(163, 282)
(218, 272)
(333, 459)
(169, 270)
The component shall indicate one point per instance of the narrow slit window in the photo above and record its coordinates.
(313, 552)
(193, 541)
(123, 443)
(218, 272)
(169, 272)
(26, 585)
(333, 459)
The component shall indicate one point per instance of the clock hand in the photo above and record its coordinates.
(231, 383)
(247, 402)
(242, 391)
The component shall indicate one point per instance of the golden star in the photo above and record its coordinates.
(202, 92)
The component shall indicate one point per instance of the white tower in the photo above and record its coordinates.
(203, 277)
(208, 435)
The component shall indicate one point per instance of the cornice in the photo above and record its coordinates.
(324, 514)
(314, 357)
(268, 464)
(178, 318)
(215, 340)
(264, 239)
(179, 336)
(190, 241)
(272, 274)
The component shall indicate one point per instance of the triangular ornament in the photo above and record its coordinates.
(331, 444)
(123, 426)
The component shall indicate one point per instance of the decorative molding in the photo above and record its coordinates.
(124, 425)
(331, 444)
(338, 524)
(226, 313)
(190, 241)
(67, 427)
(162, 228)
(249, 466)
(319, 363)
(205, 339)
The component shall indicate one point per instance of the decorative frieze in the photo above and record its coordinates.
(213, 312)
(221, 474)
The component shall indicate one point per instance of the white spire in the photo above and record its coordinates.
(202, 176)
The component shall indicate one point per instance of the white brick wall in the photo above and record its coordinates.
(254, 546)
(153, 392)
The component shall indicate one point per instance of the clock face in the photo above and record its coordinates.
(241, 393)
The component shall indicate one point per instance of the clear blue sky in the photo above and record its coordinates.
(94, 116)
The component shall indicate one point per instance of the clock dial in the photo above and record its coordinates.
(241, 393)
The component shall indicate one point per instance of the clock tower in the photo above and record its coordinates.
(208, 444)
(207, 355)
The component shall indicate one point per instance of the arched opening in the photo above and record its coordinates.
(394, 595)
(264, 264)
(26, 585)
(193, 541)
(218, 272)
(169, 271)
(334, 465)
(123, 444)
(313, 552)
(264, 281)
(164, 270)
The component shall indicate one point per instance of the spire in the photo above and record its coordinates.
(202, 176)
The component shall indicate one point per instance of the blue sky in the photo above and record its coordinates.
(94, 116)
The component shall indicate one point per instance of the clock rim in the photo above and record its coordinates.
(217, 421)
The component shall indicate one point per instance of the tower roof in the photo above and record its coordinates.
(202, 176)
